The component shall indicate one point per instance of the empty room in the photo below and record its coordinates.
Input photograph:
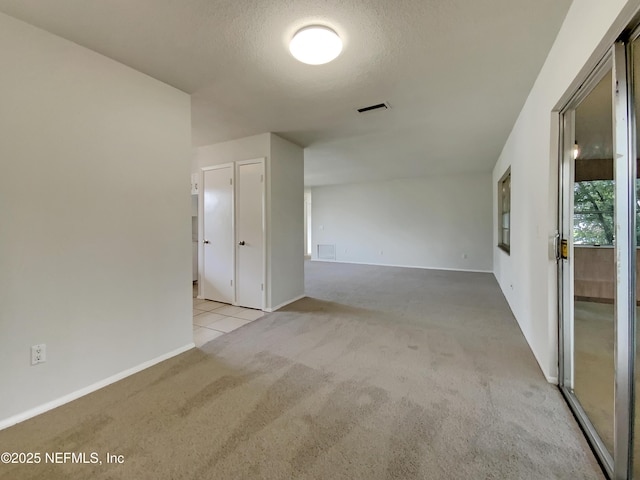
(312, 240)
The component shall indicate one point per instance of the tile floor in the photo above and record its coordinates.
(212, 319)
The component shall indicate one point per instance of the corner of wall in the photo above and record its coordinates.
(286, 221)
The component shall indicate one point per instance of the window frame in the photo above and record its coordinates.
(506, 247)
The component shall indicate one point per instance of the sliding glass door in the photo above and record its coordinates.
(596, 258)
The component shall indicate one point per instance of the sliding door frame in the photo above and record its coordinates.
(624, 138)
(565, 265)
(617, 464)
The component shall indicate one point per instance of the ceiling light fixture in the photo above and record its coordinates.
(315, 45)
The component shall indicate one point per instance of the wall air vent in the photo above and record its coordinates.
(326, 252)
(371, 108)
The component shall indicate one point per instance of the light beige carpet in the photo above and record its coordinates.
(382, 373)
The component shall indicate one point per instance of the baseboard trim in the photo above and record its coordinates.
(299, 297)
(406, 266)
(21, 417)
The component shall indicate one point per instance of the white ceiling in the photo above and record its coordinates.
(456, 72)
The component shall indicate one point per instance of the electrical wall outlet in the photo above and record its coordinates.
(38, 353)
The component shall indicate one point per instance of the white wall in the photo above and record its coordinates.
(94, 224)
(528, 275)
(286, 232)
(427, 222)
(284, 213)
(247, 148)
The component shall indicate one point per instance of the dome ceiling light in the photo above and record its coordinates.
(315, 45)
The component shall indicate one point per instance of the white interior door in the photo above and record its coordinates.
(218, 235)
(250, 234)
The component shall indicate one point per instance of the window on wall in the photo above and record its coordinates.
(504, 211)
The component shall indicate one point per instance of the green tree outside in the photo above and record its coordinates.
(593, 218)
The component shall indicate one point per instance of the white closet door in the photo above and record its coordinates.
(250, 234)
(218, 235)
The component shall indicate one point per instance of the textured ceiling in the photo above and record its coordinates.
(456, 72)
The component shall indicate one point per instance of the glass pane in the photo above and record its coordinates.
(594, 260)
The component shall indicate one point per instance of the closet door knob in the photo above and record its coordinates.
(241, 243)
(206, 241)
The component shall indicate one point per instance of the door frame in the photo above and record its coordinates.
(238, 164)
(201, 226)
(617, 59)
(566, 171)
(624, 175)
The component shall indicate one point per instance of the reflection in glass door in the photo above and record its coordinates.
(594, 260)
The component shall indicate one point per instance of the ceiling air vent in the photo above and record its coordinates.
(371, 108)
